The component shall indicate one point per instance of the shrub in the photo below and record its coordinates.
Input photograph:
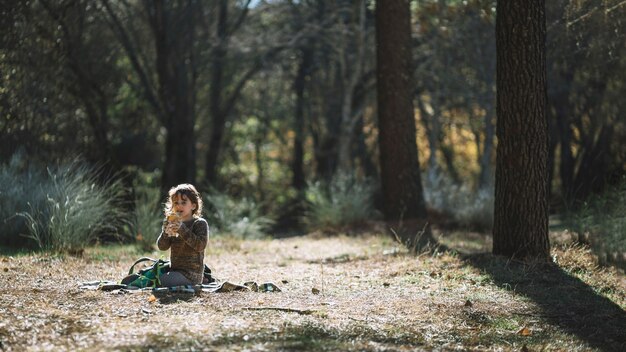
(148, 215)
(602, 219)
(466, 207)
(343, 201)
(69, 209)
(238, 217)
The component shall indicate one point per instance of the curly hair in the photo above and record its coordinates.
(188, 191)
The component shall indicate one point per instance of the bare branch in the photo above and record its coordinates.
(123, 37)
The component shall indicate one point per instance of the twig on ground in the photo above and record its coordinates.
(322, 268)
(283, 309)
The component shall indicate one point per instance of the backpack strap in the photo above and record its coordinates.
(160, 266)
(140, 260)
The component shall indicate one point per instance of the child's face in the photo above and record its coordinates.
(183, 205)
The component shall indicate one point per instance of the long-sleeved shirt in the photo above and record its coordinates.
(187, 250)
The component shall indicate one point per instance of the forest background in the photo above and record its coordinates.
(269, 107)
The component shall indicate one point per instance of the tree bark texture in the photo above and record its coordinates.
(176, 90)
(521, 202)
(401, 182)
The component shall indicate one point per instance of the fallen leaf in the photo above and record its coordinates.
(524, 331)
(152, 299)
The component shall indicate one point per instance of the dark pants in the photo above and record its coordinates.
(174, 278)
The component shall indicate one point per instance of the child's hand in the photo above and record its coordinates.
(172, 228)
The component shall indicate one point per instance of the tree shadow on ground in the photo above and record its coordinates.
(308, 336)
(564, 300)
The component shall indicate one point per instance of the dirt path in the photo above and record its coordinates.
(372, 296)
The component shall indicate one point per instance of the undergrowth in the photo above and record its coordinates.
(146, 225)
(343, 201)
(601, 223)
(237, 217)
(63, 209)
(466, 207)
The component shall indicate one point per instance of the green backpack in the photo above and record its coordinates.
(150, 276)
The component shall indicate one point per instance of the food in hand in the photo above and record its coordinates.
(173, 218)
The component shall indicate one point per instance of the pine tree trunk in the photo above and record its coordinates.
(521, 203)
(176, 91)
(401, 182)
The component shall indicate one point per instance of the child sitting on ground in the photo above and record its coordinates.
(186, 233)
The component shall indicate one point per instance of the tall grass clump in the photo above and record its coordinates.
(601, 221)
(343, 201)
(146, 225)
(466, 208)
(74, 209)
(241, 218)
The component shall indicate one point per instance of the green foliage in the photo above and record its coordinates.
(343, 201)
(146, 224)
(602, 218)
(468, 208)
(238, 217)
(66, 209)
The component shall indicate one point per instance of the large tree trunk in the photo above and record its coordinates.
(521, 202)
(176, 90)
(403, 196)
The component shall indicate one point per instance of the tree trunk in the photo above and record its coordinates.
(403, 196)
(176, 91)
(566, 167)
(521, 203)
(363, 154)
(593, 171)
(297, 165)
(485, 179)
(432, 125)
(351, 72)
(218, 115)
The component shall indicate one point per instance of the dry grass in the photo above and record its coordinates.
(372, 296)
